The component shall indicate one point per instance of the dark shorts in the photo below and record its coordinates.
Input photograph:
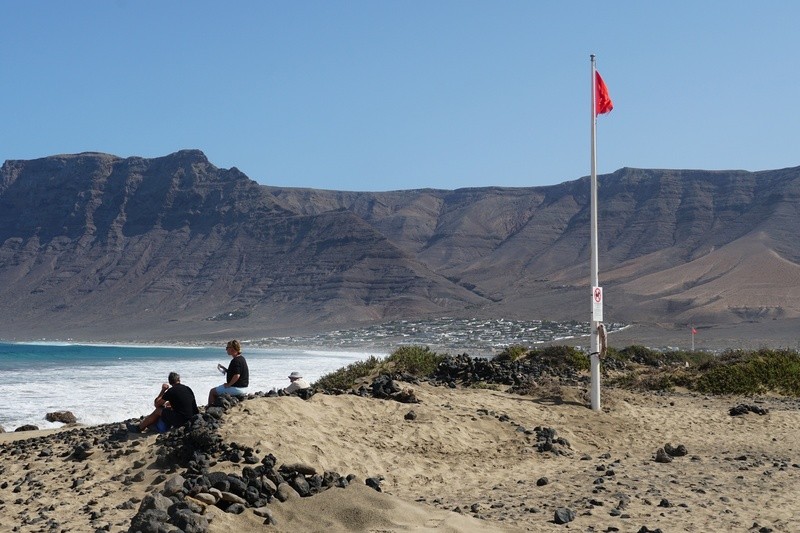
(161, 426)
(169, 419)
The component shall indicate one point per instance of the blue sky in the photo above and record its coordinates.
(384, 95)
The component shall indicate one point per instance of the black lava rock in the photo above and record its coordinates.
(678, 451)
(374, 483)
(743, 409)
(563, 515)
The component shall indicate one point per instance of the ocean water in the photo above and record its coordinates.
(107, 383)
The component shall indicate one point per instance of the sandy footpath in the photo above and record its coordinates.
(469, 461)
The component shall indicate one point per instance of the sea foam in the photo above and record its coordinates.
(109, 383)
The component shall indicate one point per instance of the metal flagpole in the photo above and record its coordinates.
(596, 291)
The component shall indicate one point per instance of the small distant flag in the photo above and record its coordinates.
(694, 331)
(602, 101)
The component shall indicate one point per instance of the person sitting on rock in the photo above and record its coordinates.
(175, 405)
(297, 384)
(237, 376)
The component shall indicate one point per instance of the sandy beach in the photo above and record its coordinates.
(468, 461)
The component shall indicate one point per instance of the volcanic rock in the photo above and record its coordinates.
(65, 417)
(563, 515)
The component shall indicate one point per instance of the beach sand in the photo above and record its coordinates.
(469, 461)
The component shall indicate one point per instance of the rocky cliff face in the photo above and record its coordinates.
(174, 245)
(675, 246)
(96, 246)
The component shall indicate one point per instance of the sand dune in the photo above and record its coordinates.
(468, 462)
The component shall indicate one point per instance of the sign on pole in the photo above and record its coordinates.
(597, 304)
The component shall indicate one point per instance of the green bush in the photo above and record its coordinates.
(613, 353)
(346, 377)
(750, 373)
(485, 386)
(628, 380)
(614, 360)
(416, 360)
(512, 353)
(675, 357)
(733, 372)
(561, 357)
(642, 355)
(726, 358)
(660, 382)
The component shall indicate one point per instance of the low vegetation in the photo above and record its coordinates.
(740, 372)
(557, 357)
(633, 367)
(732, 372)
(512, 353)
(415, 360)
(561, 356)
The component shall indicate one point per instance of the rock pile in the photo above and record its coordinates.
(181, 502)
(184, 498)
(197, 446)
(520, 374)
(546, 439)
(743, 409)
(383, 387)
(386, 388)
(668, 452)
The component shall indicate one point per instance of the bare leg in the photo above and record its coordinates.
(150, 419)
(212, 397)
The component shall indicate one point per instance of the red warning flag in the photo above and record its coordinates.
(602, 100)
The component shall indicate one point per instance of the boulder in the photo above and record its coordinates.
(174, 485)
(190, 522)
(374, 482)
(662, 456)
(300, 484)
(286, 492)
(300, 468)
(148, 521)
(65, 417)
(677, 451)
(563, 515)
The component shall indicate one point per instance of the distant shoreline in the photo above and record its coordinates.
(483, 338)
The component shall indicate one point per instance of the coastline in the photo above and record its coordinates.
(470, 459)
(715, 338)
(13, 436)
(107, 383)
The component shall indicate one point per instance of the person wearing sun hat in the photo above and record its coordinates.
(297, 383)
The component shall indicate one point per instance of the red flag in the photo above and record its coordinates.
(602, 101)
(694, 331)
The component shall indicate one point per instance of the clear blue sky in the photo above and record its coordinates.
(383, 95)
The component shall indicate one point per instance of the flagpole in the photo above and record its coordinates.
(594, 345)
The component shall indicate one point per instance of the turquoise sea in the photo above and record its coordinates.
(110, 383)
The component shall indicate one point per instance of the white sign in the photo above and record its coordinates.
(597, 304)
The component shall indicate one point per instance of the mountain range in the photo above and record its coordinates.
(94, 246)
